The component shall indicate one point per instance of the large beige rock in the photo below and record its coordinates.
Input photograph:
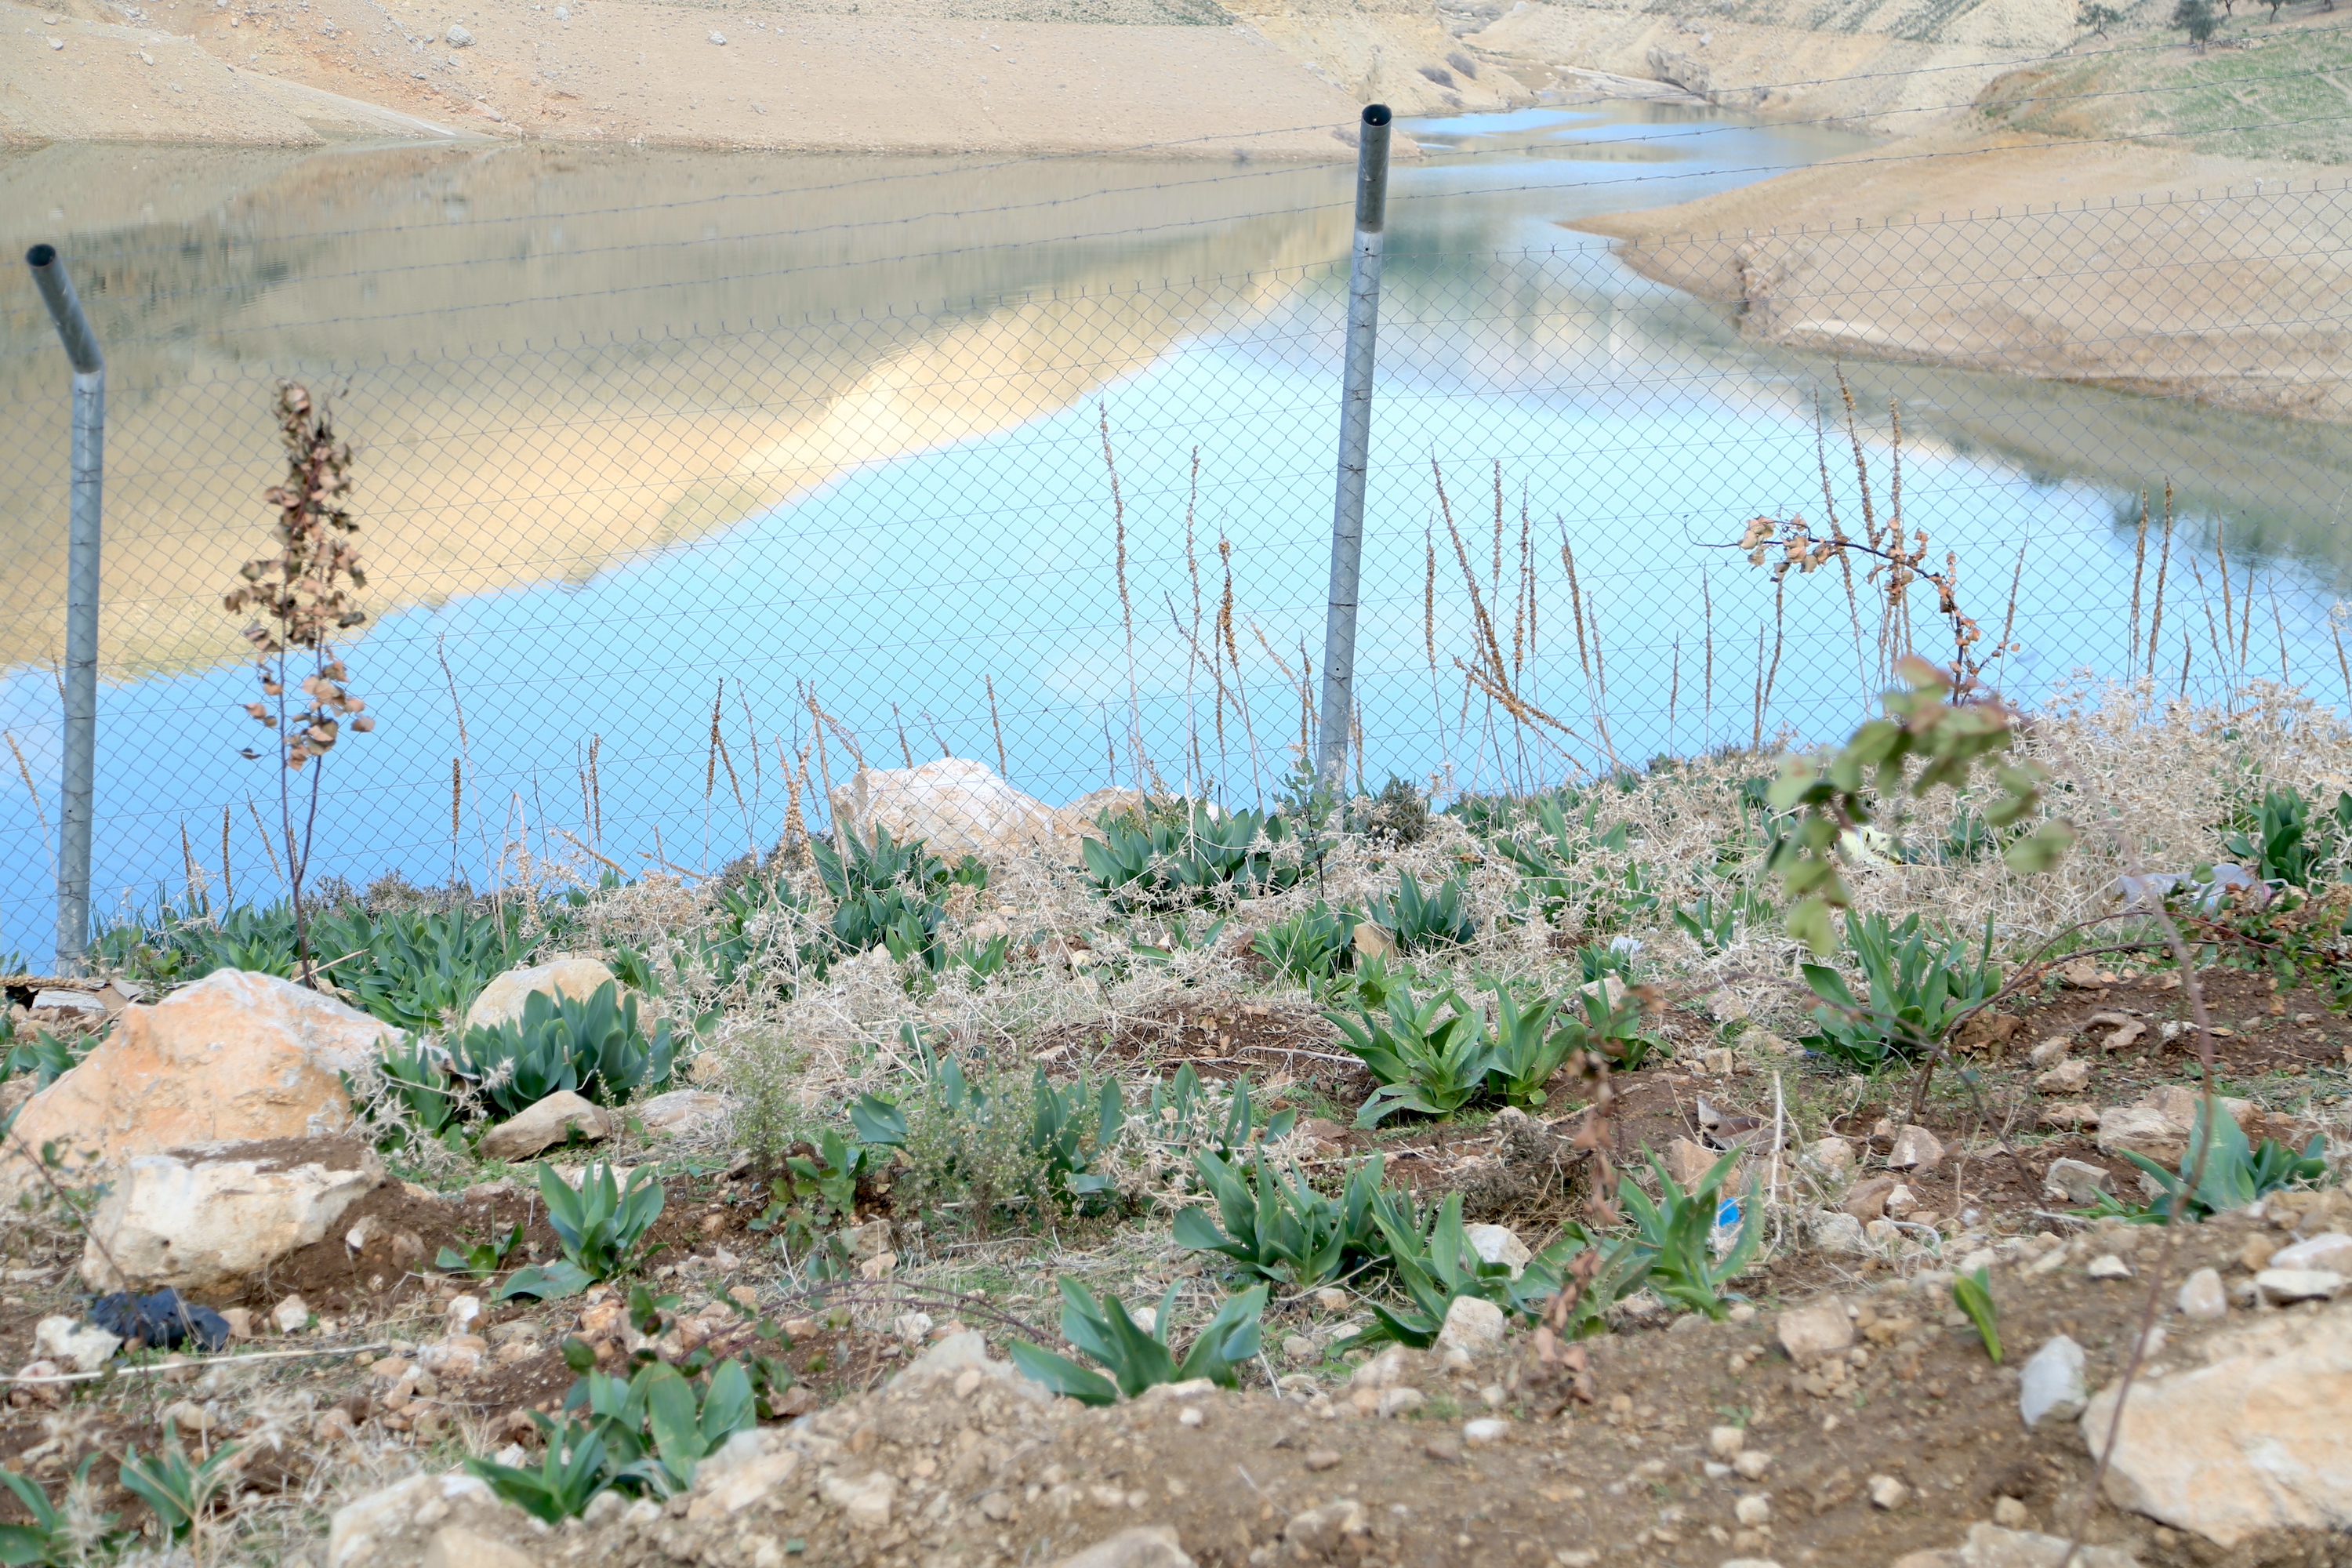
(2255, 1439)
(234, 1057)
(955, 806)
(394, 1525)
(501, 1000)
(216, 1214)
(549, 1121)
(2157, 1126)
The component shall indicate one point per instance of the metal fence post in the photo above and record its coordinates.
(1354, 438)
(82, 602)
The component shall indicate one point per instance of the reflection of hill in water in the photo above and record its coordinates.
(552, 359)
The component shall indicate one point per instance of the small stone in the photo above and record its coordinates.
(2107, 1265)
(2050, 1052)
(462, 1313)
(718, 37)
(2076, 1182)
(1298, 1347)
(1498, 1243)
(1809, 1333)
(2066, 1078)
(544, 1123)
(564, 14)
(1887, 1492)
(1831, 1156)
(1916, 1149)
(2282, 1287)
(1395, 1402)
(84, 1347)
(2052, 1384)
(1147, 1546)
(1473, 1325)
(2331, 1251)
(1750, 1464)
(1993, 1546)
(2202, 1297)
(1726, 1441)
(2009, 1514)
(1755, 1508)
(457, 38)
(1485, 1432)
(1867, 1200)
(290, 1314)
(1331, 1299)
(1190, 1416)
(1322, 1458)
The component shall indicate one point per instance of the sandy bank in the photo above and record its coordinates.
(2155, 271)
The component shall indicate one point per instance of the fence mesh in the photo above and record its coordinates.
(1082, 535)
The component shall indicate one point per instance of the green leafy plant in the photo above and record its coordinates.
(1420, 922)
(596, 1046)
(50, 1537)
(2237, 1175)
(1919, 985)
(419, 969)
(1138, 1360)
(983, 960)
(1675, 1232)
(177, 1491)
(482, 1259)
(1055, 1134)
(1182, 1112)
(1715, 923)
(1311, 946)
(820, 1188)
(572, 1470)
(1208, 858)
(1972, 1293)
(418, 1076)
(1423, 1062)
(1435, 1264)
(1608, 1020)
(45, 1056)
(659, 1426)
(1278, 1226)
(1527, 1047)
(600, 1226)
(2281, 843)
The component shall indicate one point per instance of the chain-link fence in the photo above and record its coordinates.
(1082, 535)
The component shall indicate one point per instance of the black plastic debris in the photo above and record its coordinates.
(160, 1322)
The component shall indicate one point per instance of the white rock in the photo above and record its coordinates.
(1809, 1333)
(1834, 1230)
(358, 1527)
(1993, 1546)
(290, 1314)
(863, 1500)
(544, 1124)
(2284, 1287)
(1331, 1299)
(1916, 1149)
(2202, 1297)
(911, 1327)
(683, 1111)
(2331, 1251)
(1473, 1325)
(1887, 1492)
(1396, 1402)
(1724, 1442)
(457, 38)
(2107, 1265)
(575, 979)
(748, 1468)
(216, 1214)
(1146, 1546)
(1485, 1432)
(1831, 1156)
(1498, 1243)
(462, 1313)
(235, 1055)
(83, 1347)
(2051, 1383)
(2254, 1440)
(718, 37)
(954, 805)
(2076, 1182)
(1749, 1464)
(1753, 1509)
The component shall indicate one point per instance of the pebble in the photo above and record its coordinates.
(1485, 1432)
(1298, 1347)
(1191, 1416)
(1322, 1458)
(1751, 1465)
(1726, 1441)
(457, 38)
(2202, 1297)
(2332, 1252)
(1888, 1493)
(2109, 1267)
(1331, 1299)
(2280, 1287)
(2009, 1514)
(2051, 1383)
(718, 37)
(1754, 1509)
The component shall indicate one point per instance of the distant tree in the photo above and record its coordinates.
(2196, 18)
(2095, 18)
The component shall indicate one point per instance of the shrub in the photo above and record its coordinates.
(1918, 986)
(1206, 859)
(1279, 1227)
(420, 970)
(1527, 1047)
(994, 1145)
(1420, 921)
(1138, 1360)
(1435, 1264)
(597, 1047)
(1311, 946)
(1423, 1062)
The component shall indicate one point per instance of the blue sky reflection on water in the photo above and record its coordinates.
(1628, 422)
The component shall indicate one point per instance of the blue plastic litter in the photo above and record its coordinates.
(161, 1321)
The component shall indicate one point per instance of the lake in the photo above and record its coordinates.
(653, 447)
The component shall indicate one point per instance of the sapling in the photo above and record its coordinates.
(300, 600)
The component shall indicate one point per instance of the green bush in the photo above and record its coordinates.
(419, 969)
(1136, 1360)
(1280, 1228)
(600, 1226)
(1674, 1236)
(1423, 1062)
(1918, 986)
(50, 1537)
(1311, 946)
(993, 1145)
(1206, 859)
(1528, 1047)
(597, 1047)
(1420, 922)
(1183, 1113)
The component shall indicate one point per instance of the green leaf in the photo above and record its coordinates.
(1809, 922)
(546, 1282)
(727, 1404)
(1973, 1294)
(1061, 1375)
(2040, 850)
